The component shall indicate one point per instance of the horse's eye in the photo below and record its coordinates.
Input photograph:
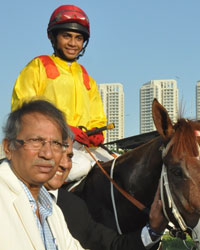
(177, 172)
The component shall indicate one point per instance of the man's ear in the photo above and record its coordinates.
(6, 148)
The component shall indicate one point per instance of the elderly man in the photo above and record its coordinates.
(34, 144)
(93, 235)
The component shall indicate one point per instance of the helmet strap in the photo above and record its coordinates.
(83, 49)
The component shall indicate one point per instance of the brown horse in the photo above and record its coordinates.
(175, 154)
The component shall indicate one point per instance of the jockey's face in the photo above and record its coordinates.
(63, 169)
(69, 44)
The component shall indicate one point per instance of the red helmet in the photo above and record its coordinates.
(69, 17)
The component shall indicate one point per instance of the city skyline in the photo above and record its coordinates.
(180, 105)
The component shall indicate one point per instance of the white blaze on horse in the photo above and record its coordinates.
(174, 156)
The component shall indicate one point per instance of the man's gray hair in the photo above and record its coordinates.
(14, 121)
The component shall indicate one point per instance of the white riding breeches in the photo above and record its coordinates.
(82, 162)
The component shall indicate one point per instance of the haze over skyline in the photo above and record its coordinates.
(132, 42)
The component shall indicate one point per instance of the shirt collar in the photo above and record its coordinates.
(54, 194)
(64, 64)
(44, 198)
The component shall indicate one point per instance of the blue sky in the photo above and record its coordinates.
(132, 42)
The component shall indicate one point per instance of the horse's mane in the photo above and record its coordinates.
(185, 140)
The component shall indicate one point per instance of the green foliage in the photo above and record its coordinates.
(171, 243)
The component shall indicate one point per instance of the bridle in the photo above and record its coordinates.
(164, 187)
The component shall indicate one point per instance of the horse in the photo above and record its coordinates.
(171, 159)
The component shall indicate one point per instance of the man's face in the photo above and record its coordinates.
(70, 43)
(63, 169)
(35, 167)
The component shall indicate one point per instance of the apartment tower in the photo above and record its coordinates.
(166, 92)
(198, 100)
(112, 96)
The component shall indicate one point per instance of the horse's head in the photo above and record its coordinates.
(180, 178)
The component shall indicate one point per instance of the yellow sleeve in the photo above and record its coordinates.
(29, 84)
(97, 115)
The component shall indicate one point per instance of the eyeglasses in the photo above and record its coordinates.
(38, 143)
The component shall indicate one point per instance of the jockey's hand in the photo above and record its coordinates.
(80, 136)
(157, 221)
(96, 139)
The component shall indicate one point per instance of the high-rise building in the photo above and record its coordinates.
(112, 96)
(2, 154)
(166, 92)
(198, 100)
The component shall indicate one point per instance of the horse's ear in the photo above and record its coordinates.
(162, 120)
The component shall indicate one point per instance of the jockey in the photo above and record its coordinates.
(59, 78)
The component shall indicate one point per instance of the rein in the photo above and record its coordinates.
(113, 198)
(123, 192)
